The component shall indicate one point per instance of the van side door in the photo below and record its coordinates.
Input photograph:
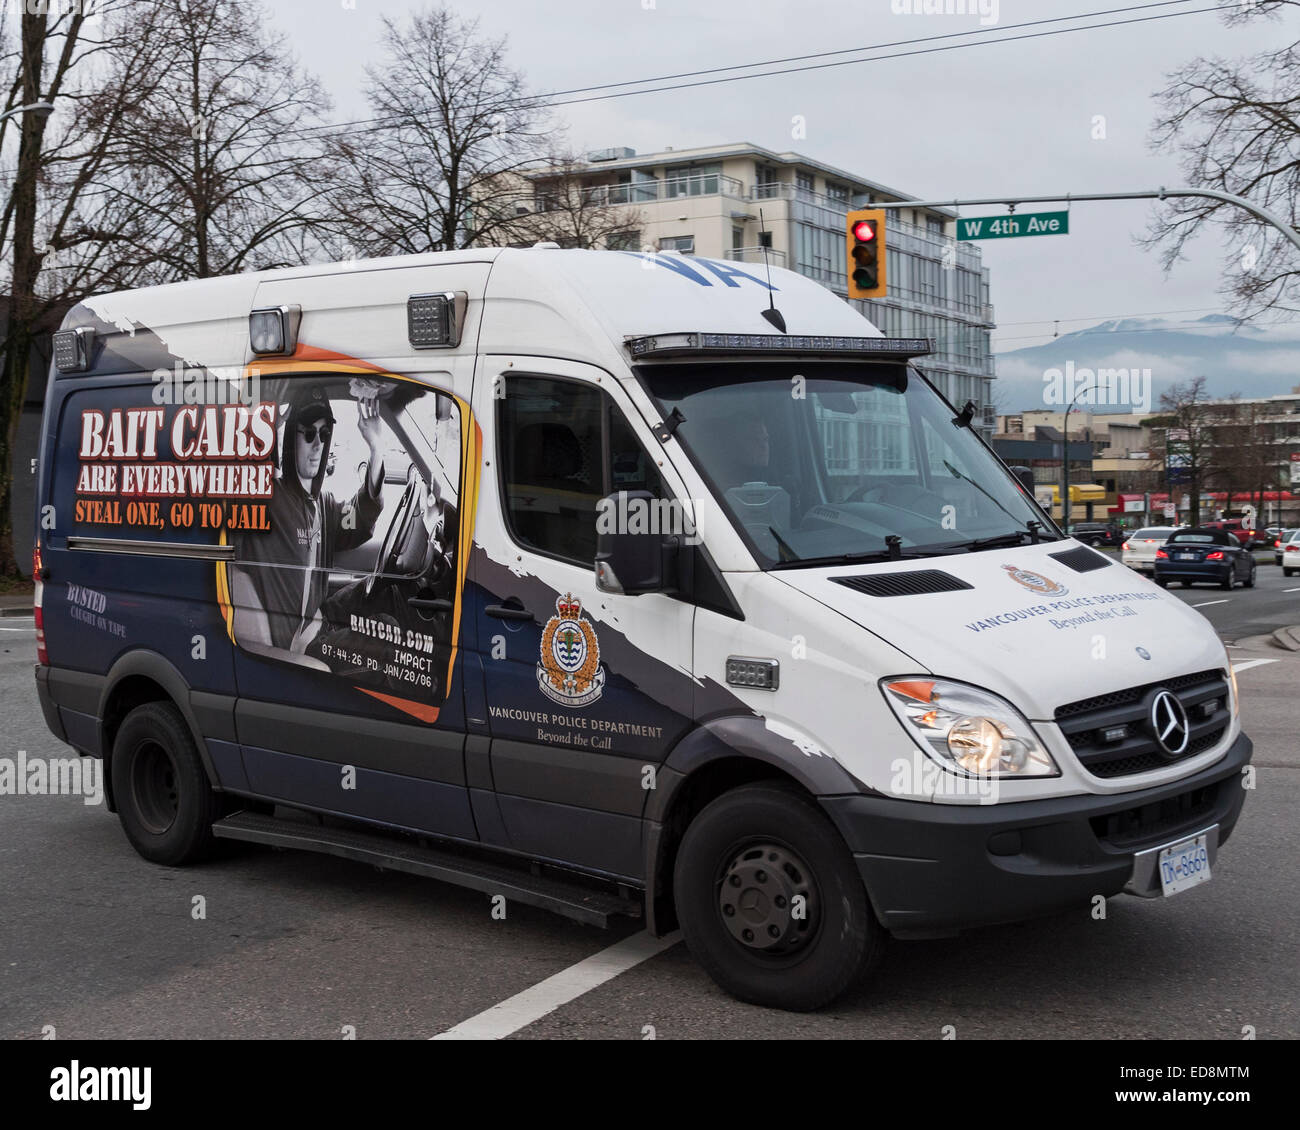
(586, 691)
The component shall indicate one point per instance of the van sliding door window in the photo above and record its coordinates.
(563, 446)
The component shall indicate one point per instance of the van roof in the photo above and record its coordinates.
(541, 301)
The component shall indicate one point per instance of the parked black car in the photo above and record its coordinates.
(1202, 555)
(1097, 533)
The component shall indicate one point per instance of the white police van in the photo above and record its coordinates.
(629, 586)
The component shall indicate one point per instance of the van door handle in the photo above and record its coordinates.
(510, 610)
(437, 605)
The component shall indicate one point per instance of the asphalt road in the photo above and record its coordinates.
(97, 943)
(1274, 602)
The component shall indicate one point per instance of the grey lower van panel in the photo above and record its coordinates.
(389, 798)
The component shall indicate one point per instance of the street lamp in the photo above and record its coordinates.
(40, 109)
(1065, 458)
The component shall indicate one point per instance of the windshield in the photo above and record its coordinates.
(819, 461)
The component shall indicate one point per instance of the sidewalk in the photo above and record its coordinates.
(19, 605)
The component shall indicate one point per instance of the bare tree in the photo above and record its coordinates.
(221, 160)
(1236, 125)
(1184, 442)
(94, 61)
(452, 121)
(573, 206)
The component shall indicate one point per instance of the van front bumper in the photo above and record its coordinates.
(936, 868)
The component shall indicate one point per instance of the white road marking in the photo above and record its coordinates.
(1291, 590)
(546, 996)
(1207, 603)
(17, 629)
(1247, 664)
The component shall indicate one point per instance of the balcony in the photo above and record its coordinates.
(755, 255)
(649, 192)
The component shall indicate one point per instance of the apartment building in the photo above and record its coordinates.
(743, 202)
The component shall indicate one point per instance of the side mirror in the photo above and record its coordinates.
(630, 558)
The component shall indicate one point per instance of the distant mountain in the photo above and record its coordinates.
(1234, 357)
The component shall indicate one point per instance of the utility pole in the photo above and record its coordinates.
(1065, 458)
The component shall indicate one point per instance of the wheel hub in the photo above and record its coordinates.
(767, 899)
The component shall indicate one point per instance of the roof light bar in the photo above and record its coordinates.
(664, 344)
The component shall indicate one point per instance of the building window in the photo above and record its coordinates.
(691, 180)
(934, 224)
(765, 239)
(804, 185)
(766, 182)
(683, 243)
(837, 193)
(623, 241)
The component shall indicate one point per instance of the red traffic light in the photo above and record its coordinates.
(864, 231)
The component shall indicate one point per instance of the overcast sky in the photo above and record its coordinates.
(1016, 118)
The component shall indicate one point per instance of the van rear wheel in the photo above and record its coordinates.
(164, 799)
(770, 902)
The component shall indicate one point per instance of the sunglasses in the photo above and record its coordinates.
(308, 432)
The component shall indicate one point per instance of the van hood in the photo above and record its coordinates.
(1029, 626)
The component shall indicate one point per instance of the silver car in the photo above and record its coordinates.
(1283, 537)
(1139, 548)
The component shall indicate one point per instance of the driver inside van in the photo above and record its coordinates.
(279, 582)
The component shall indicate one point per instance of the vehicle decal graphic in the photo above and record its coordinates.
(1035, 582)
(569, 671)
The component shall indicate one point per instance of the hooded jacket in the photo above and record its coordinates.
(280, 561)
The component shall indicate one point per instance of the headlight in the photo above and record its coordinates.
(966, 729)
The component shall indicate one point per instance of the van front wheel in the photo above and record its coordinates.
(770, 902)
(164, 800)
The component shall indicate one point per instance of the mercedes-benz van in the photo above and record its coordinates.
(632, 586)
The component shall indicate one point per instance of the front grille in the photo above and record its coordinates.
(912, 583)
(1084, 722)
(1157, 820)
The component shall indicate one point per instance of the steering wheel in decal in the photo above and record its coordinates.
(386, 559)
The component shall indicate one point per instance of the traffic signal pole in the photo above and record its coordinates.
(1070, 197)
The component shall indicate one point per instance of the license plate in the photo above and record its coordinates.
(1183, 865)
(1187, 557)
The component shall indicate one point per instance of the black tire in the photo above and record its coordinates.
(808, 965)
(1249, 582)
(1094, 542)
(1229, 581)
(1161, 582)
(164, 799)
(1288, 572)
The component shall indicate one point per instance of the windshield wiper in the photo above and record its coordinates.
(893, 552)
(1016, 537)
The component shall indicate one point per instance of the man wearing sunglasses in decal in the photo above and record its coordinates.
(277, 605)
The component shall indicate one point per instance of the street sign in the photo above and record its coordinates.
(1170, 511)
(1003, 227)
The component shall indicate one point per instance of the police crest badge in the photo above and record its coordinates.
(1035, 582)
(569, 671)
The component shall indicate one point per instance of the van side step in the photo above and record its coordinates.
(571, 899)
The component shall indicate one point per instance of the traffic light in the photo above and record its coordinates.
(866, 253)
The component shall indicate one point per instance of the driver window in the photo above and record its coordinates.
(563, 446)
